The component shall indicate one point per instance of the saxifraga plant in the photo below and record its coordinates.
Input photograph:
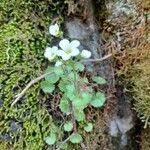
(77, 93)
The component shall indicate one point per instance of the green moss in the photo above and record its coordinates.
(23, 38)
(141, 89)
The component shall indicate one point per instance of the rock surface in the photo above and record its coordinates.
(121, 121)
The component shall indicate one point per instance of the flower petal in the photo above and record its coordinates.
(64, 44)
(75, 52)
(75, 43)
(54, 29)
(54, 49)
(60, 53)
(56, 26)
(66, 57)
(86, 54)
(48, 52)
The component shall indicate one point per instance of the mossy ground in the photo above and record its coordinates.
(23, 38)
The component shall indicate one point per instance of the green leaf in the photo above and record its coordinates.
(47, 87)
(76, 138)
(70, 88)
(49, 69)
(78, 103)
(79, 114)
(68, 126)
(89, 127)
(72, 76)
(99, 100)
(58, 71)
(64, 146)
(79, 66)
(99, 80)
(68, 68)
(83, 101)
(50, 140)
(64, 105)
(86, 96)
(52, 78)
(62, 85)
(70, 92)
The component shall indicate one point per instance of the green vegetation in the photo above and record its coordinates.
(23, 38)
(68, 78)
(141, 89)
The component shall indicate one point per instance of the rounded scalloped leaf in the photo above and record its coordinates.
(47, 87)
(50, 140)
(76, 138)
(99, 80)
(49, 69)
(98, 100)
(68, 126)
(82, 102)
(79, 115)
(79, 66)
(58, 71)
(64, 105)
(62, 85)
(52, 78)
(89, 127)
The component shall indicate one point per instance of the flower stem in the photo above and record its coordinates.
(75, 81)
(73, 117)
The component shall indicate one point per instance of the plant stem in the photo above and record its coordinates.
(73, 117)
(75, 81)
(32, 82)
(98, 60)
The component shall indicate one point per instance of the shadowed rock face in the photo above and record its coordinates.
(121, 121)
(119, 127)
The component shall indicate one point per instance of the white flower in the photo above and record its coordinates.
(51, 52)
(54, 30)
(69, 49)
(86, 54)
(58, 63)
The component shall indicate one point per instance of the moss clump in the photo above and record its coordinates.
(141, 89)
(98, 138)
(23, 38)
(136, 73)
(134, 70)
(144, 4)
